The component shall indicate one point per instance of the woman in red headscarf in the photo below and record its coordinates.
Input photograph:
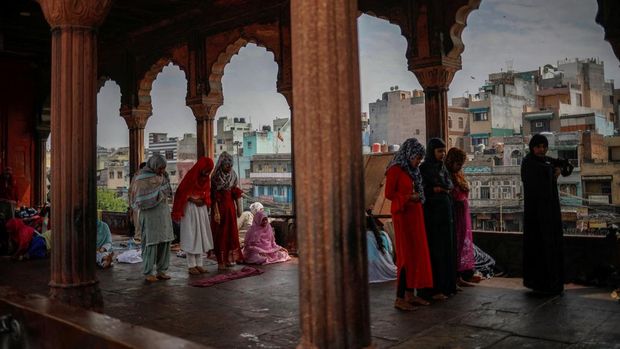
(191, 203)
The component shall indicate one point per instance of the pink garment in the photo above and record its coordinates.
(260, 245)
(220, 278)
(464, 239)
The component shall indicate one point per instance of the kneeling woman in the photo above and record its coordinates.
(381, 266)
(404, 188)
(260, 244)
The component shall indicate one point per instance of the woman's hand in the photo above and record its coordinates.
(415, 197)
(437, 190)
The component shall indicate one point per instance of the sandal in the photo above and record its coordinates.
(163, 276)
(440, 297)
(150, 278)
(418, 300)
(202, 270)
(193, 271)
(402, 304)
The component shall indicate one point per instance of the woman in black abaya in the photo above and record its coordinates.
(543, 257)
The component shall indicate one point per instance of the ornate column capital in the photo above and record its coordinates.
(436, 74)
(69, 13)
(204, 108)
(136, 118)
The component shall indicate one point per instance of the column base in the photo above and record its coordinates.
(86, 295)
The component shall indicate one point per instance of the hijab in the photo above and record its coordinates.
(222, 180)
(193, 184)
(408, 151)
(435, 171)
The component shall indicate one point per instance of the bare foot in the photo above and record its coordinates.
(402, 304)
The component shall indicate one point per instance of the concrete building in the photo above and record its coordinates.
(496, 110)
(398, 115)
(230, 132)
(272, 181)
(115, 172)
(572, 96)
(186, 148)
(458, 123)
(366, 132)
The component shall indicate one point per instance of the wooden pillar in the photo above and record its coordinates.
(43, 133)
(136, 122)
(435, 80)
(204, 112)
(333, 279)
(74, 139)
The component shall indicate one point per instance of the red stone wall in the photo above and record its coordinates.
(17, 119)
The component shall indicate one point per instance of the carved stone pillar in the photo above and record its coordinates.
(204, 112)
(74, 136)
(435, 79)
(333, 280)
(136, 122)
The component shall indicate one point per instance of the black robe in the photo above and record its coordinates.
(439, 223)
(543, 254)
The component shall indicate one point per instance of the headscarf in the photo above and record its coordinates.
(435, 168)
(538, 139)
(408, 151)
(259, 238)
(150, 188)
(222, 180)
(456, 155)
(192, 185)
(103, 234)
(255, 207)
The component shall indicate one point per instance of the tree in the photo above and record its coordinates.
(107, 200)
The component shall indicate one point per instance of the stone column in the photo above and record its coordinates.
(136, 122)
(74, 139)
(436, 79)
(43, 132)
(334, 310)
(205, 115)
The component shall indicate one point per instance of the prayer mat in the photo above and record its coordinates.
(220, 278)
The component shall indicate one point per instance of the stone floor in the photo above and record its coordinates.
(261, 311)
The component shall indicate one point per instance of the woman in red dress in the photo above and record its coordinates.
(225, 194)
(404, 188)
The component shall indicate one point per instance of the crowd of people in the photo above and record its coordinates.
(435, 255)
(207, 205)
(432, 255)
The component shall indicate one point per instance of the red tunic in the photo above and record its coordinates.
(226, 233)
(408, 218)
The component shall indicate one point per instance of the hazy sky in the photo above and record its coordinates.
(524, 33)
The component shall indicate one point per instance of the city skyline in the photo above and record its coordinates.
(525, 34)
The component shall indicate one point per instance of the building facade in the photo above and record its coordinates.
(398, 115)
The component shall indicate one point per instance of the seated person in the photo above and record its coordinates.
(381, 266)
(20, 236)
(104, 245)
(245, 220)
(260, 244)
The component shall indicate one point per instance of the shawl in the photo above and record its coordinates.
(222, 180)
(261, 239)
(408, 151)
(434, 171)
(103, 234)
(457, 156)
(150, 189)
(193, 185)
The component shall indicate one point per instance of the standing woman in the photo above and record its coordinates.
(403, 186)
(225, 196)
(465, 261)
(152, 190)
(191, 202)
(439, 219)
(543, 254)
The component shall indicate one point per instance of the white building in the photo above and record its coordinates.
(398, 115)
(230, 134)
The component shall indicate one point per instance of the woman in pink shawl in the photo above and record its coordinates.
(260, 244)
